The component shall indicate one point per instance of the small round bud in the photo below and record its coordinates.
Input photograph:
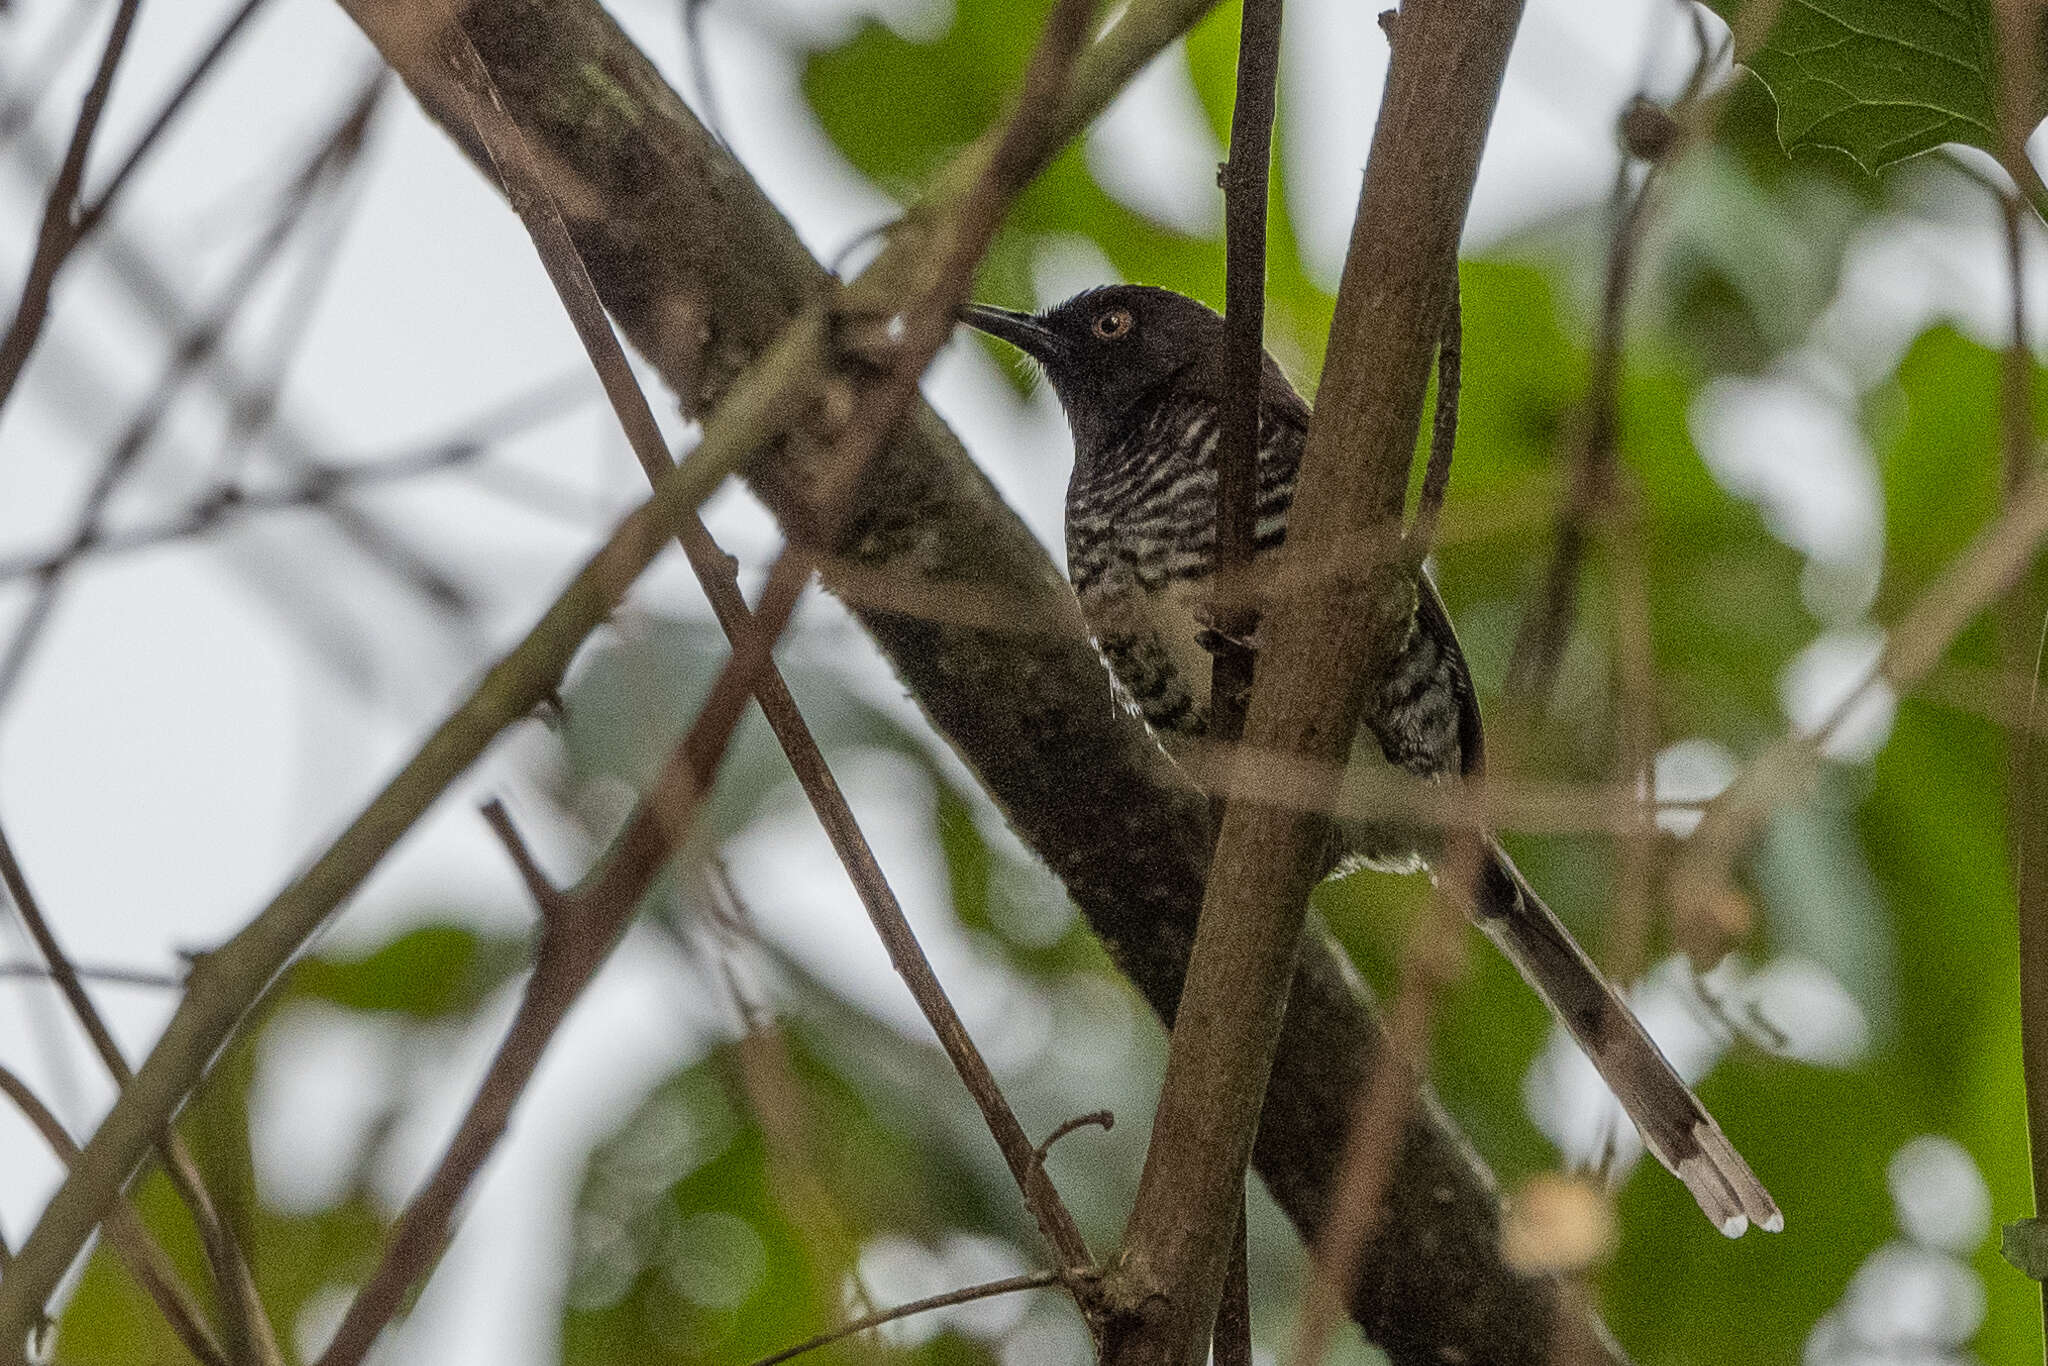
(1647, 130)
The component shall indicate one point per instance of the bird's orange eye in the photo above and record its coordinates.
(1114, 323)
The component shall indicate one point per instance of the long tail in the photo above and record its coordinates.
(1674, 1125)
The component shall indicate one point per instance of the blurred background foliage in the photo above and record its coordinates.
(815, 1157)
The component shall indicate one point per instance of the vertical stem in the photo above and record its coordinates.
(2026, 774)
(1233, 1337)
(1245, 198)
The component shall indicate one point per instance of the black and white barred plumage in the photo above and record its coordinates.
(1138, 371)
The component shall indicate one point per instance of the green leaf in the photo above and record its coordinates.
(1881, 80)
(428, 973)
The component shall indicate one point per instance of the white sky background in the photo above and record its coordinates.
(177, 749)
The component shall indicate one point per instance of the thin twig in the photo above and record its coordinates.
(120, 977)
(1547, 626)
(2015, 25)
(334, 157)
(146, 1261)
(1245, 200)
(90, 215)
(58, 235)
(249, 1332)
(1420, 537)
(234, 498)
(1245, 178)
(1098, 1119)
(1009, 1285)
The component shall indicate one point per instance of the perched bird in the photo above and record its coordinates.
(1138, 370)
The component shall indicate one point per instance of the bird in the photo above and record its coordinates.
(1138, 370)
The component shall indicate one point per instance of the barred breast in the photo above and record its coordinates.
(1141, 524)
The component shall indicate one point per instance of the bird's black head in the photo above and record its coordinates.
(1109, 351)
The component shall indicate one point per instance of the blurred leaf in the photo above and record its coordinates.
(898, 109)
(1014, 901)
(692, 1243)
(1942, 464)
(1881, 80)
(427, 973)
(295, 1258)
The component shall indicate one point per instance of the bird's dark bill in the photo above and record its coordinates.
(1021, 330)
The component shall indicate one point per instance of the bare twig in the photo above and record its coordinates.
(575, 935)
(334, 157)
(233, 498)
(1441, 90)
(250, 1336)
(2027, 758)
(1099, 1119)
(1010, 1285)
(90, 215)
(1547, 627)
(58, 234)
(1245, 178)
(1420, 536)
(113, 976)
(1245, 196)
(2026, 603)
(151, 1268)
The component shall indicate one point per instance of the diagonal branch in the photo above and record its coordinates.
(59, 233)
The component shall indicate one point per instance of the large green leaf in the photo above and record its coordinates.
(1881, 80)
